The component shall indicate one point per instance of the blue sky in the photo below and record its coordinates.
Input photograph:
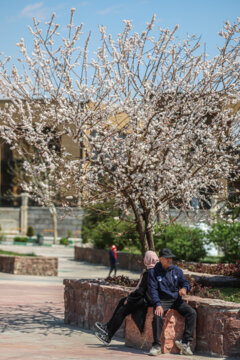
(201, 17)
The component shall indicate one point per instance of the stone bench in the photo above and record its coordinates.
(173, 328)
(217, 329)
(29, 265)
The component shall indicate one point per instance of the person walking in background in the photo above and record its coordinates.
(136, 303)
(166, 286)
(113, 260)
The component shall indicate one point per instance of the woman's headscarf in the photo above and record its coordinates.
(114, 249)
(150, 259)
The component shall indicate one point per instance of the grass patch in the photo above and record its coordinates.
(206, 259)
(131, 250)
(12, 253)
(229, 293)
(212, 259)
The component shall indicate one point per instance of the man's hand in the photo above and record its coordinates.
(159, 311)
(182, 292)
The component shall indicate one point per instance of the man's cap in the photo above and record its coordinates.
(167, 253)
(113, 247)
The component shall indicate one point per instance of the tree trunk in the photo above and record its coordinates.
(149, 236)
(140, 227)
(53, 212)
(142, 235)
(146, 215)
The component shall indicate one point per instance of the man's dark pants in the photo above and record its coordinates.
(185, 310)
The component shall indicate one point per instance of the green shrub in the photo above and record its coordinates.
(30, 231)
(111, 231)
(86, 233)
(227, 237)
(22, 239)
(185, 242)
(13, 253)
(98, 213)
(69, 234)
(102, 226)
(2, 237)
(64, 241)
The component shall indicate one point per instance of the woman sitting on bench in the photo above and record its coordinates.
(136, 303)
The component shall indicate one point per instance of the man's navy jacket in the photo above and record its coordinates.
(164, 284)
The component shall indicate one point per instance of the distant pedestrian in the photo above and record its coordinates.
(113, 260)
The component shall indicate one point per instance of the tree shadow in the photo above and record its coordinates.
(116, 347)
(28, 319)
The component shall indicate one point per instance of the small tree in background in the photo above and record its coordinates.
(30, 231)
(104, 224)
(97, 213)
(226, 236)
(185, 242)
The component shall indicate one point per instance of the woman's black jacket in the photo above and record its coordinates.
(141, 301)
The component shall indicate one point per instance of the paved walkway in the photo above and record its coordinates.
(68, 267)
(32, 312)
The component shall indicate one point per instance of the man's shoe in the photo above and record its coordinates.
(155, 350)
(184, 348)
(101, 327)
(103, 338)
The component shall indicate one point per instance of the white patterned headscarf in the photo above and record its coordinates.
(150, 259)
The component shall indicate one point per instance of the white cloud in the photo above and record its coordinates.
(36, 10)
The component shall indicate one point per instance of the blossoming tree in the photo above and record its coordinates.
(155, 118)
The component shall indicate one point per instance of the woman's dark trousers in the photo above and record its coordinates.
(185, 310)
(113, 267)
(119, 315)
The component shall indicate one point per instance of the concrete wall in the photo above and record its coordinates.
(41, 219)
(9, 219)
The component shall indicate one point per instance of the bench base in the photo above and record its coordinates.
(173, 328)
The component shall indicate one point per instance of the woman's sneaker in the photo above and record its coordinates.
(184, 348)
(101, 327)
(155, 350)
(103, 338)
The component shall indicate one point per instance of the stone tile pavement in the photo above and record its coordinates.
(68, 267)
(32, 312)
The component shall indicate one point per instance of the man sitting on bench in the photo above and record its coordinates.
(166, 286)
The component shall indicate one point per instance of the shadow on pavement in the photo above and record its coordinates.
(29, 319)
(117, 347)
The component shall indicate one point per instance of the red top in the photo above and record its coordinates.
(114, 249)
